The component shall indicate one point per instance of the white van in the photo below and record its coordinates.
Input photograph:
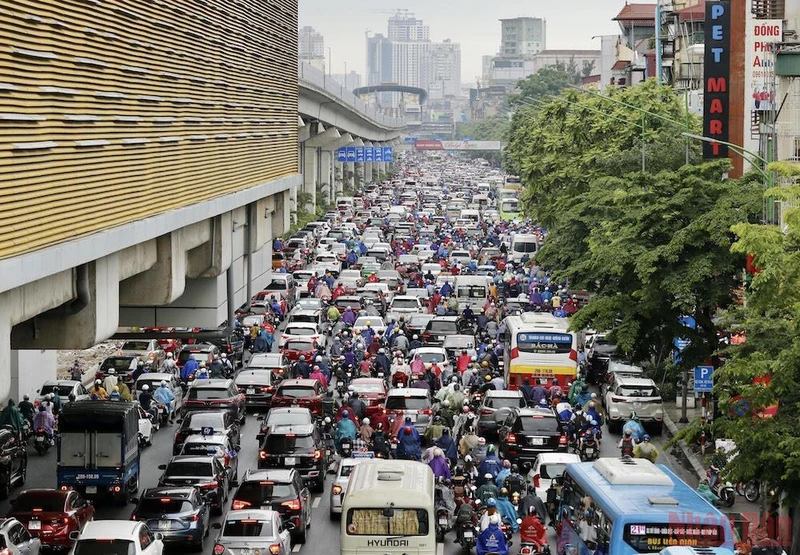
(471, 214)
(522, 244)
(389, 508)
(472, 291)
(401, 211)
(344, 203)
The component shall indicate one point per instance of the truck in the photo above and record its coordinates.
(98, 449)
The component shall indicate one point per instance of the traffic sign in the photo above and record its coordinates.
(341, 154)
(351, 154)
(379, 154)
(703, 379)
(388, 154)
(360, 154)
(369, 154)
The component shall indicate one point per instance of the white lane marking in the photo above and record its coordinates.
(296, 548)
(316, 502)
(439, 549)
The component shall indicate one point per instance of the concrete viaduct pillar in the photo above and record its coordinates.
(339, 167)
(314, 168)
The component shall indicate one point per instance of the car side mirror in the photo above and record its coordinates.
(159, 536)
(217, 526)
(74, 535)
(289, 526)
(162, 467)
(134, 501)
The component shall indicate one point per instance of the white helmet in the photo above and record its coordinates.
(351, 388)
(494, 518)
(145, 387)
(169, 354)
(365, 421)
(163, 383)
(98, 381)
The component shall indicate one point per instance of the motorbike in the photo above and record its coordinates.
(468, 536)
(626, 450)
(442, 524)
(163, 414)
(724, 491)
(41, 441)
(347, 448)
(589, 450)
(749, 490)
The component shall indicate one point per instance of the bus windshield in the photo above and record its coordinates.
(387, 522)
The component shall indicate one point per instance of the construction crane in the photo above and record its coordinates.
(396, 11)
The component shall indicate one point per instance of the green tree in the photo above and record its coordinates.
(493, 128)
(545, 82)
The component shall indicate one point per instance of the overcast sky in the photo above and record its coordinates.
(472, 23)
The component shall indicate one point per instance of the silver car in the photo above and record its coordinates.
(68, 390)
(339, 485)
(16, 539)
(253, 531)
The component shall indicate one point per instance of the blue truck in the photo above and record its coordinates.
(98, 449)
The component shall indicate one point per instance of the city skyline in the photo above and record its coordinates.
(475, 26)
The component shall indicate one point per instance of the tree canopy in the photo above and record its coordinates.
(493, 128)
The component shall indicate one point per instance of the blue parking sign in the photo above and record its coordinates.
(351, 154)
(703, 379)
(388, 154)
(341, 154)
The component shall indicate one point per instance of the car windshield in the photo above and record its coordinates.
(282, 418)
(119, 364)
(505, 402)
(205, 420)
(47, 502)
(537, 424)
(208, 393)
(135, 346)
(296, 391)
(104, 547)
(164, 505)
(276, 285)
(637, 391)
(526, 247)
(247, 528)
(199, 356)
(429, 357)
(62, 390)
(190, 468)
(439, 326)
(472, 291)
(552, 470)
(397, 402)
(303, 346)
(202, 448)
(294, 330)
(405, 303)
(279, 443)
(306, 318)
(419, 321)
(368, 387)
(256, 493)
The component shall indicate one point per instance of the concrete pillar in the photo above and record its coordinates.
(358, 168)
(30, 369)
(310, 155)
(339, 167)
(313, 171)
(368, 166)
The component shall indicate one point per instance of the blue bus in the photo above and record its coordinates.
(623, 506)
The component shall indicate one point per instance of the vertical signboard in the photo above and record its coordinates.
(341, 155)
(717, 68)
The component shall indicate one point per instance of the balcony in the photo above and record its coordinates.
(769, 9)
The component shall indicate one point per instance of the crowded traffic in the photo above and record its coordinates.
(409, 375)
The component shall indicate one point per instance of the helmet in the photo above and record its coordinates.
(591, 404)
(481, 441)
(504, 492)
(202, 364)
(465, 409)
(116, 388)
(488, 476)
(532, 511)
(415, 336)
(98, 382)
(26, 397)
(485, 363)
(163, 383)
(318, 359)
(145, 387)
(365, 421)
(302, 357)
(438, 452)
(646, 437)
(350, 388)
(407, 431)
(627, 433)
(515, 468)
(223, 355)
(488, 378)
(468, 458)
(491, 449)
(446, 402)
(48, 396)
(594, 422)
(345, 414)
(506, 463)
(169, 355)
(369, 323)
(327, 420)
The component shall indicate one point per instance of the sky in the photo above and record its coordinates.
(472, 23)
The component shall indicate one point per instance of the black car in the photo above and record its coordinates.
(530, 431)
(281, 490)
(256, 386)
(439, 328)
(283, 416)
(232, 345)
(180, 514)
(216, 394)
(599, 356)
(298, 447)
(195, 421)
(13, 462)
(206, 473)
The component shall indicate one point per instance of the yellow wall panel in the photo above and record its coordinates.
(117, 110)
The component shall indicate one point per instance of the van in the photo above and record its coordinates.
(522, 244)
(389, 507)
(344, 203)
(472, 291)
(472, 215)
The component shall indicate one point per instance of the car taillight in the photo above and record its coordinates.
(218, 549)
(267, 389)
(511, 439)
(209, 485)
(337, 490)
(562, 440)
(317, 455)
(262, 455)
(485, 411)
(238, 505)
(617, 399)
(134, 517)
(536, 478)
(293, 505)
(275, 548)
(426, 411)
(195, 517)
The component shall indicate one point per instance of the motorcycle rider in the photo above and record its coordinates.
(488, 489)
(532, 530)
(718, 461)
(448, 447)
(507, 511)
(45, 421)
(345, 429)
(492, 539)
(646, 450)
(163, 396)
(26, 409)
(190, 368)
(532, 501)
(408, 446)
(491, 464)
(169, 366)
(379, 442)
(515, 482)
(99, 390)
(146, 402)
(627, 444)
(439, 465)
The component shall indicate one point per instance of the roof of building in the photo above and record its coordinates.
(619, 65)
(568, 53)
(638, 13)
(693, 13)
(591, 79)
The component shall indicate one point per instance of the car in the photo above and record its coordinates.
(68, 390)
(412, 402)
(304, 330)
(299, 447)
(416, 323)
(207, 473)
(180, 514)
(375, 322)
(194, 422)
(277, 363)
(626, 395)
(282, 285)
(202, 352)
(309, 303)
(117, 537)
(454, 344)
(462, 256)
(121, 366)
(302, 316)
(215, 394)
(296, 347)
(527, 432)
(13, 462)
(280, 489)
(300, 393)
(256, 386)
(429, 354)
(547, 467)
(373, 392)
(253, 531)
(600, 351)
(281, 416)
(355, 302)
(616, 367)
(16, 540)
(350, 279)
(218, 445)
(374, 295)
(154, 379)
(339, 485)
(438, 328)
(148, 350)
(330, 262)
(146, 426)
(403, 305)
(231, 345)
(52, 515)
(493, 400)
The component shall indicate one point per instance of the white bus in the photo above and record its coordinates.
(512, 182)
(389, 508)
(539, 347)
(522, 244)
(503, 194)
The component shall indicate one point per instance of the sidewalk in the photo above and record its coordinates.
(672, 415)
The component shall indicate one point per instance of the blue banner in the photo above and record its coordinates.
(379, 154)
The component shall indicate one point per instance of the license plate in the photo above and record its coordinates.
(164, 524)
(413, 417)
(290, 460)
(39, 439)
(443, 521)
(637, 405)
(91, 490)
(467, 533)
(589, 451)
(251, 391)
(34, 525)
(537, 441)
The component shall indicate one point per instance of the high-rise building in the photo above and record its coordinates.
(409, 63)
(379, 60)
(311, 47)
(522, 37)
(445, 67)
(404, 27)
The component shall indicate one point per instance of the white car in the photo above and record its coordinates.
(306, 330)
(428, 354)
(404, 305)
(117, 536)
(330, 262)
(16, 540)
(154, 379)
(376, 323)
(462, 256)
(547, 467)
(253, 531)
(339, 485)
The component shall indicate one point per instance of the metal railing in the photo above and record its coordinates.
(320, 80)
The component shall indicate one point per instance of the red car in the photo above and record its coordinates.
(373, 392)
(52, 515)
(300, 393)
(297, 346)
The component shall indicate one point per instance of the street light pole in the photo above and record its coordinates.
(738, 150)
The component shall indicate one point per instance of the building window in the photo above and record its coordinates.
(768, 9)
